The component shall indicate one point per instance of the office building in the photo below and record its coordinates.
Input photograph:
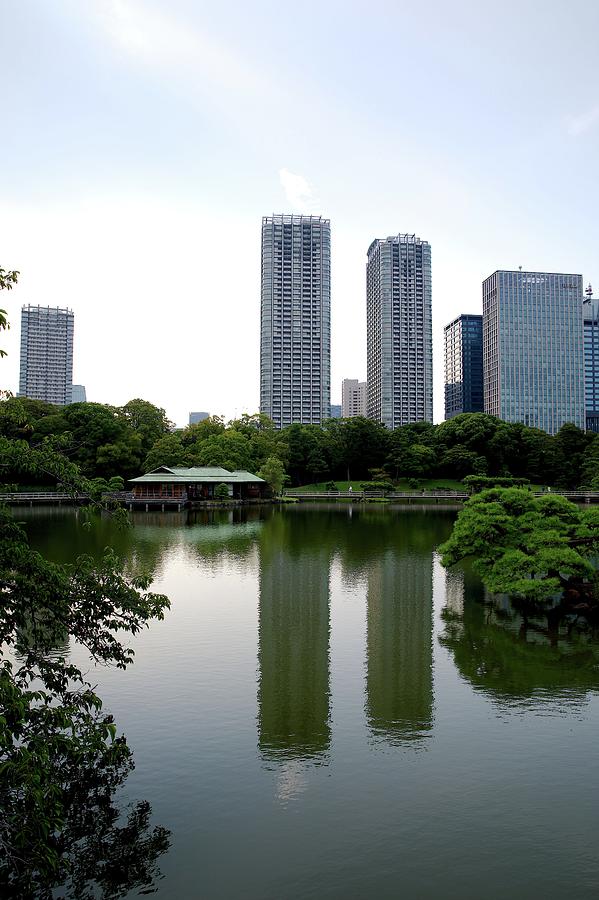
(78, 394)
(591, 359)
(353, 398)
(195, 417)
(533, 356)
(295, 319)
(464, 366)
(46, 354)
(335, 410)
(399, 336)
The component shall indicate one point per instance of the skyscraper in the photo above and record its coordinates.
(295, 319)
(46, 354)
(533, 348)
(464, 365)
(353, 398)
(78, 394)
(399, 336)
(591, 359)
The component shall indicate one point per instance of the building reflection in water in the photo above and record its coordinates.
(293, 652)
(399, 668)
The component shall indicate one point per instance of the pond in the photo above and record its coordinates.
(326, 713)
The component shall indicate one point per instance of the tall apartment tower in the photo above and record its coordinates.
(533, 355)
(464, 366)
(591, 359)
(353, 398)
(295, 320)
(399, 335)
(46, 354)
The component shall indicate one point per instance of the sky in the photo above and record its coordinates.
(143, 141)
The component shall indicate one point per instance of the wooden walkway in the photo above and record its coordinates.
(434, 496)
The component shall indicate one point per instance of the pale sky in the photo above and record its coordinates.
(143, 140)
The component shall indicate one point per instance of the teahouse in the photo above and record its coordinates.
(197, 483)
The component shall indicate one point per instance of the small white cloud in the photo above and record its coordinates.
(299, 192)
(578, 125)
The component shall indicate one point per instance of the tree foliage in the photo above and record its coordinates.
(60, 756)
(273, 473)
(61, 759)
(530, 547)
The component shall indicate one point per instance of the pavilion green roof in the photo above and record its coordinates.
(196, 475)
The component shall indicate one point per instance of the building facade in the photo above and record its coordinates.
(78, 394)
(46, 354)
(353, 398)
(399, 334)
(295, 319)
(533, 355)
(591, 360)
(335, 410)
(464, 365)
(196, 417)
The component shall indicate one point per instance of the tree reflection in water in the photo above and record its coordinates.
(105, 850)
(515, 650)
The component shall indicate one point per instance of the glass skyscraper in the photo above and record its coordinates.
(295, 320)
(47, 354)
(399, 336)
(591, 360)
(464, 365)
(533, 348)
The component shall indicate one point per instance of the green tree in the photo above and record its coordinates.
(221, 492)
(149, 421)
(57, 748)
(570, 444)
(355, 445)
(526, 546)
(60, 758)
(273, 474)
(167, 451)
(590, 465)
(230, 450)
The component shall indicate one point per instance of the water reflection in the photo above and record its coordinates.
(514, 653)
(399, 673)
(293, 646)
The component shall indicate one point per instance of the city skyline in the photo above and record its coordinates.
(129, 225)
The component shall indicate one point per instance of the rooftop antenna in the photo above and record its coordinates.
(589, 292)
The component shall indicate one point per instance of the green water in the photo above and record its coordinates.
(326, 713)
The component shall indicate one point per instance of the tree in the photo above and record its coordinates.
(355, 445)
(570, 444)
(59, 754)
(149, 421)
(7, 282)
(167, 451)
(590, 466)
(273, 473)
(60, 758)
(230, 450)
(527, 546)
(459, 461)
(221, 492)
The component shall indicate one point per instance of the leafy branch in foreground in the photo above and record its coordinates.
(61, 761)
(528, 547)
(60, 758)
